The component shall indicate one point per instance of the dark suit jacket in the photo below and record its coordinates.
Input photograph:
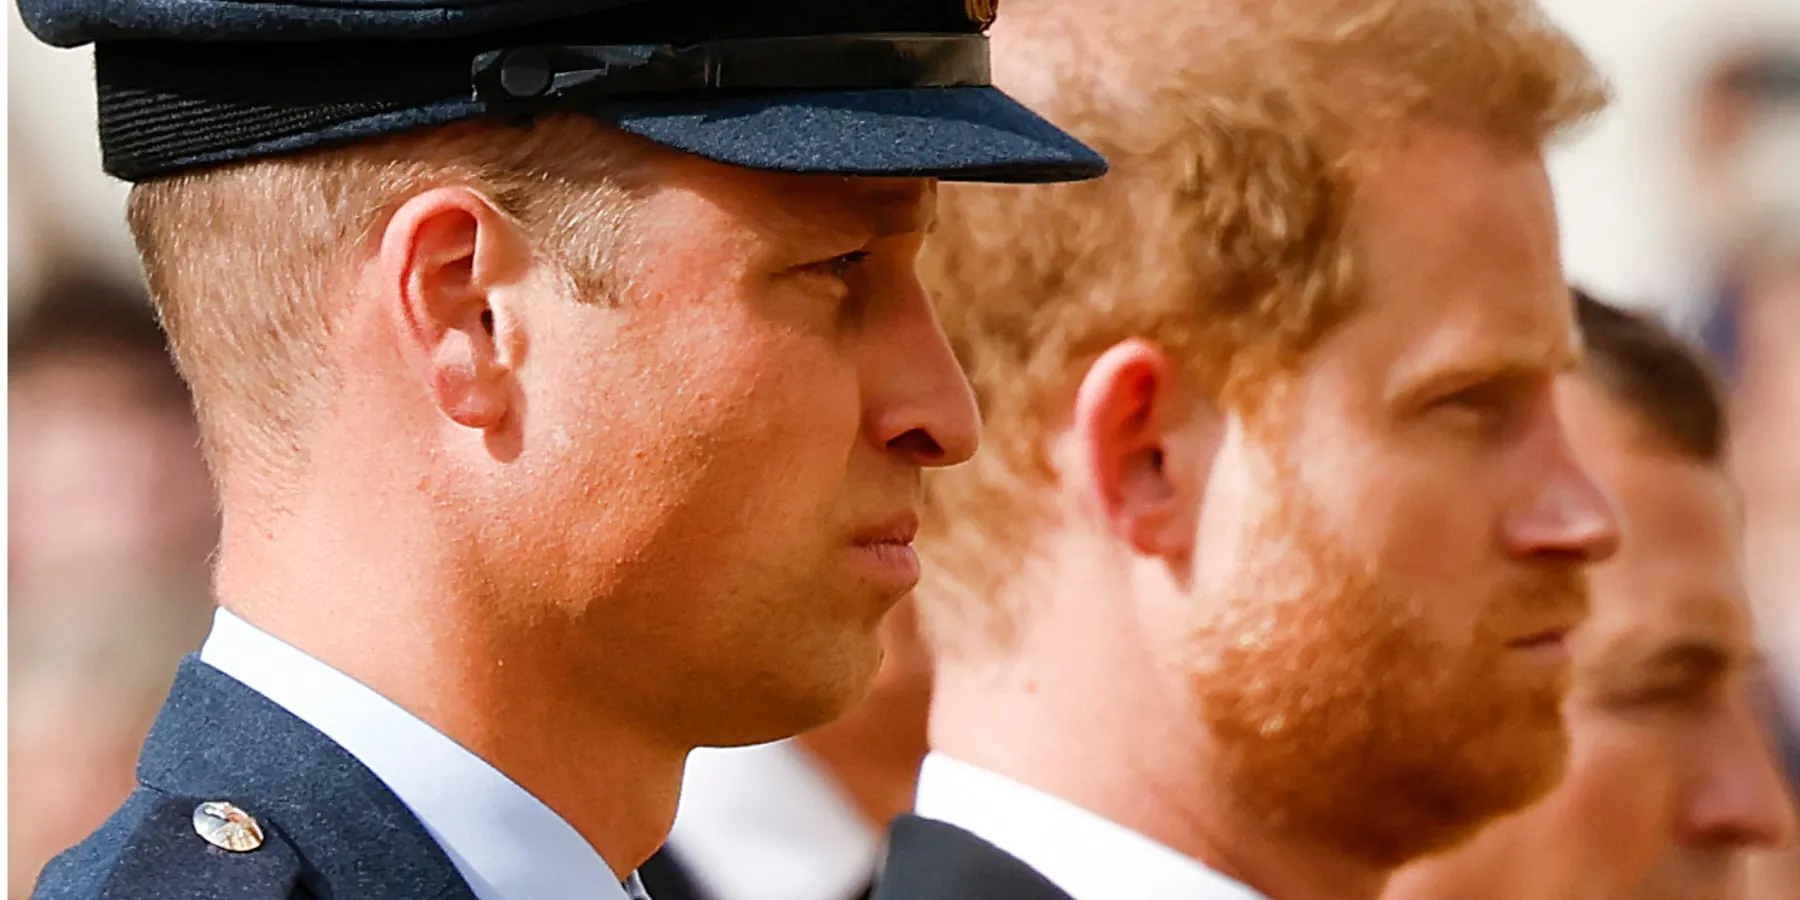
(930, 860)
(665, 878)
(331, 829)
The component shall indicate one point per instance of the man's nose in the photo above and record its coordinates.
(916, 398)
(1569, 518)
(1736, 796)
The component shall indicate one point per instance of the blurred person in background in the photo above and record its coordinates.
(1260, 583)
(805, 818)
(111, 522)
(1671, 780)
(1746, 182)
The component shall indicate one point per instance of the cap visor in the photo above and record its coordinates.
(956, 134)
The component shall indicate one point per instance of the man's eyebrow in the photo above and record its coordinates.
(1517, 362)
(870, 213)
(1695, 655)
(897, 215)
(1641, 651)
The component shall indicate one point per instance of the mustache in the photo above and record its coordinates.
(1555, 586)
(1551, 593)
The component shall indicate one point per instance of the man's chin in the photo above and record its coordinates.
(1492, 780)
(795, 714)
(802, 691)
(1422, 797)
(834, 690)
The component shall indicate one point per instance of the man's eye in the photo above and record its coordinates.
(1665, 696)
(840, 267)
(1496, 408)
(1679, 685)
(1480, 397)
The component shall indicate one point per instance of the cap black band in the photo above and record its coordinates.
(170, 105)
(816, 63)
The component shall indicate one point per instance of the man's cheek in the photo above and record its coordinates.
(1615, 802)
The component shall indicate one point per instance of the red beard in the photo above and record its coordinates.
(1345, 721)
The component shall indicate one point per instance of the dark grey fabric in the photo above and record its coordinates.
(162, 112)
(332, 830)
(956, 134)
(931, 860)
(71, 23)
(133, 855)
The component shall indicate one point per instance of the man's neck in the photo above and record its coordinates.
(1139, 764)
(390, 616)
(873, 752)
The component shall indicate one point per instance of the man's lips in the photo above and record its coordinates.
(1549, 638)
(899, 529)
(884, 552)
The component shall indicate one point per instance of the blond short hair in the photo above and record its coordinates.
(1236, 131)
(246, 263)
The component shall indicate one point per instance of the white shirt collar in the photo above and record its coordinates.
(1088, 857)
(503, 841)
(765, 823)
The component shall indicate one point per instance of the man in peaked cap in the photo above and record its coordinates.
(567, 388)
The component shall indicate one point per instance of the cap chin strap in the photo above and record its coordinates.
(532, 76)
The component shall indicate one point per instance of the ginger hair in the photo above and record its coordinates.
(247, 263)
(1237, 132)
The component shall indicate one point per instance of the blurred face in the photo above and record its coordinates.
(1392, 547)
(105, 472)
(1671, 779)
(731, 454)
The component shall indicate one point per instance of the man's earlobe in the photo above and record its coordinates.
(443, 255)
(1132, 416)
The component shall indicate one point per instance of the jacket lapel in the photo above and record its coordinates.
(931, 860)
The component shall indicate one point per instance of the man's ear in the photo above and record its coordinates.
(1143, 442)
(443, 255)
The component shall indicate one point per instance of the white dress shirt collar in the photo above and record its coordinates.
(503, 841)
(765, 823)
(1088, 857)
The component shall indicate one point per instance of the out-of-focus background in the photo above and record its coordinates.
(1685, 197)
